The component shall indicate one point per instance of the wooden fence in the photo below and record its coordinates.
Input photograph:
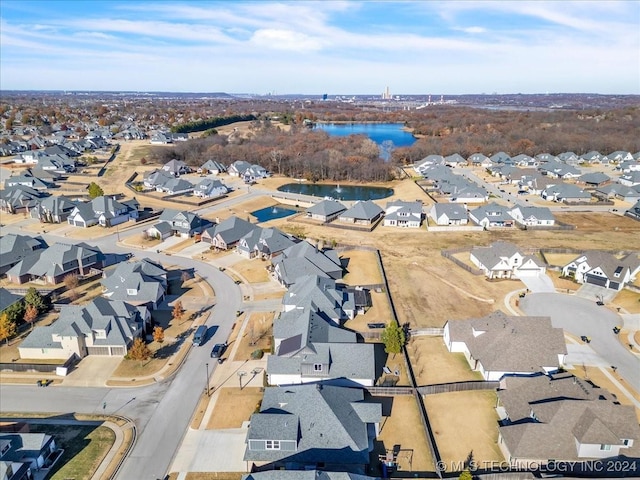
(38, 367)
(449, 254)
(457, 387)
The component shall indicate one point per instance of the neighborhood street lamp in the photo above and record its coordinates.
(207, 382)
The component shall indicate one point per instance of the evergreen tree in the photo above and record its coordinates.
(95, 190)
(393, 338)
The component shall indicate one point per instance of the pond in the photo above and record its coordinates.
(337, 191)
(378, 132)
(271, 213)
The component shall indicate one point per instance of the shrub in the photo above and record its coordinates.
(257, 354)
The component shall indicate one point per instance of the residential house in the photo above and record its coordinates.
(593, 179)
(181, 223)
(449, 214)
(53, 209)
(403, 214)
(105, 211)
(492, 215)
(479, 160)
(326, 210)
(305, 475)
(566, 193)
(164, 138)
(621, 192)
(634, 211)
(454, 160)
(155, 179)
(310, 426)
(19, 198)
(592, 157)
(570, 158)
(16, 247)
(227, 234)
(50, 265)
(629, 166)
(561, 170)
(546, 157)
(8, 299)
(176, 186)
(237, 168)
(603, 269)
(265, 243)
(501, 157)
(334, 302)
(578, 421)
(210, 188)
(247, 171)
(31, 449)
(523, 160)
(309, 348)
(630, 179)
(140, 283)
(499, 345)
(176, 168)
(101, 327)
(362, 213)
(535, 183)
(620, 156)
(505, 260)
(427, 163)
(14, 470)
(28, 180)
(213, 167)
(532, 216)
(304, 259)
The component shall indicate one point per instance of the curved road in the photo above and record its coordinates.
(581, 316)
(161, 411)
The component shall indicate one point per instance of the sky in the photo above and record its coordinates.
(316, 47)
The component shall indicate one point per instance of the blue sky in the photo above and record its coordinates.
(315, 47)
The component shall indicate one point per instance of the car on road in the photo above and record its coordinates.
(218, 349)
(200, 336)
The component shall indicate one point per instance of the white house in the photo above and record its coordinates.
(505, 260)
(403, 214)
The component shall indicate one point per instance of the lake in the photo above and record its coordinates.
(271, 213)
(339, 192)
(378, 132)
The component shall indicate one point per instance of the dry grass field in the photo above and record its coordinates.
(562, 283)
(362, 267)
(628, 300)
(254, 270)
(234, 406)
(433, 364)
(380, 312)
(559, 259)
(465, 422)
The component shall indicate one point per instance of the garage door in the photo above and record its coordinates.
(98, 351)
(79, 223)
(531, 272)
(614, 285)
(595, 280)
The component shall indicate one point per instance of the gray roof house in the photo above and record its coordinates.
(30, 449)
(403, 214)
(175, 186)
(212, 166)
(505, 260)
(322, 295)
(304, 259)
(479, 159)
(454, 160)
(7, 299)
(634, 211)
(498, 345)
(603, 269)
(105, 211)
(592, 157)
(305, 475)
(570, 158)
(565, 193)
(227, 233)
(264, 243)
(593, 179)
(555, 169)
(237, 168)
(362, 213)
(210, 188)
(312, 425)
(310, 348)
(182, 223)
(156, 178)
(29, 180)
(140, 283)
(53, 209)
(532, 216)
(19, 197)
(500, 157)
(620, 156)
(52, 264)
(326, 210)
(630, 179)
(577, 420)
(622, 192)
(492, 215)
(101, 327)
(176, 167)
(16, 247)
(449, 214)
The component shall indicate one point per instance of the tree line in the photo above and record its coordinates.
(209, 123)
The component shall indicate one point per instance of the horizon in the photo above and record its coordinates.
(321, 47)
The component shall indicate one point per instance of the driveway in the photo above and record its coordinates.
(581, 316)
(539, 284)
(593, 292)
(212, 451)
(92, 371)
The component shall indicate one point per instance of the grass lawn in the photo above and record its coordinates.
(380, 312)
(234, 406)
(402, 426)
(465, 422)
(254, 270)
(628, 300)
(260, 327)
(562, 283)
(433, 364)
(362, 267)
(84, 448)
(559, 259)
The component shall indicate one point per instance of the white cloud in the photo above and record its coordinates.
(471, 29)
(285, 40)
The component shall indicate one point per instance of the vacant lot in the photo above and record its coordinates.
(433, 364)
(234, 406)
(84, 446)
(598, 222)
(254, 270)
(465, 422)
(362, 267)
(402, 426)
(628, 300)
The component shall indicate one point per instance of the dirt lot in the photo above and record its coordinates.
(362, 267)
(628, 300)
(402, 426)
(465, 422)
(433, 364)
(598, 222)
(234, 406)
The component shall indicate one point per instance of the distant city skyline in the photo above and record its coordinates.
(318, 47)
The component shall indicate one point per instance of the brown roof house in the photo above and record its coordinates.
(560, 418)
(499, 345)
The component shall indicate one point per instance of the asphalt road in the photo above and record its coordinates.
(161, 411)
(581, 316)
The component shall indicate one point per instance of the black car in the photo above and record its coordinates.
(218, 350)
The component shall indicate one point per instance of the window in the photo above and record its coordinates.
(605, 448)
(132, 291)
(626, 442)
(317, 367)
(273, 444)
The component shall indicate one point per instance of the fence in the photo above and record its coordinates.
(426, 192)
(449, 254)
(39, 367)
(457, 387)
(433, 332)
(455, 228)
(390, 391)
